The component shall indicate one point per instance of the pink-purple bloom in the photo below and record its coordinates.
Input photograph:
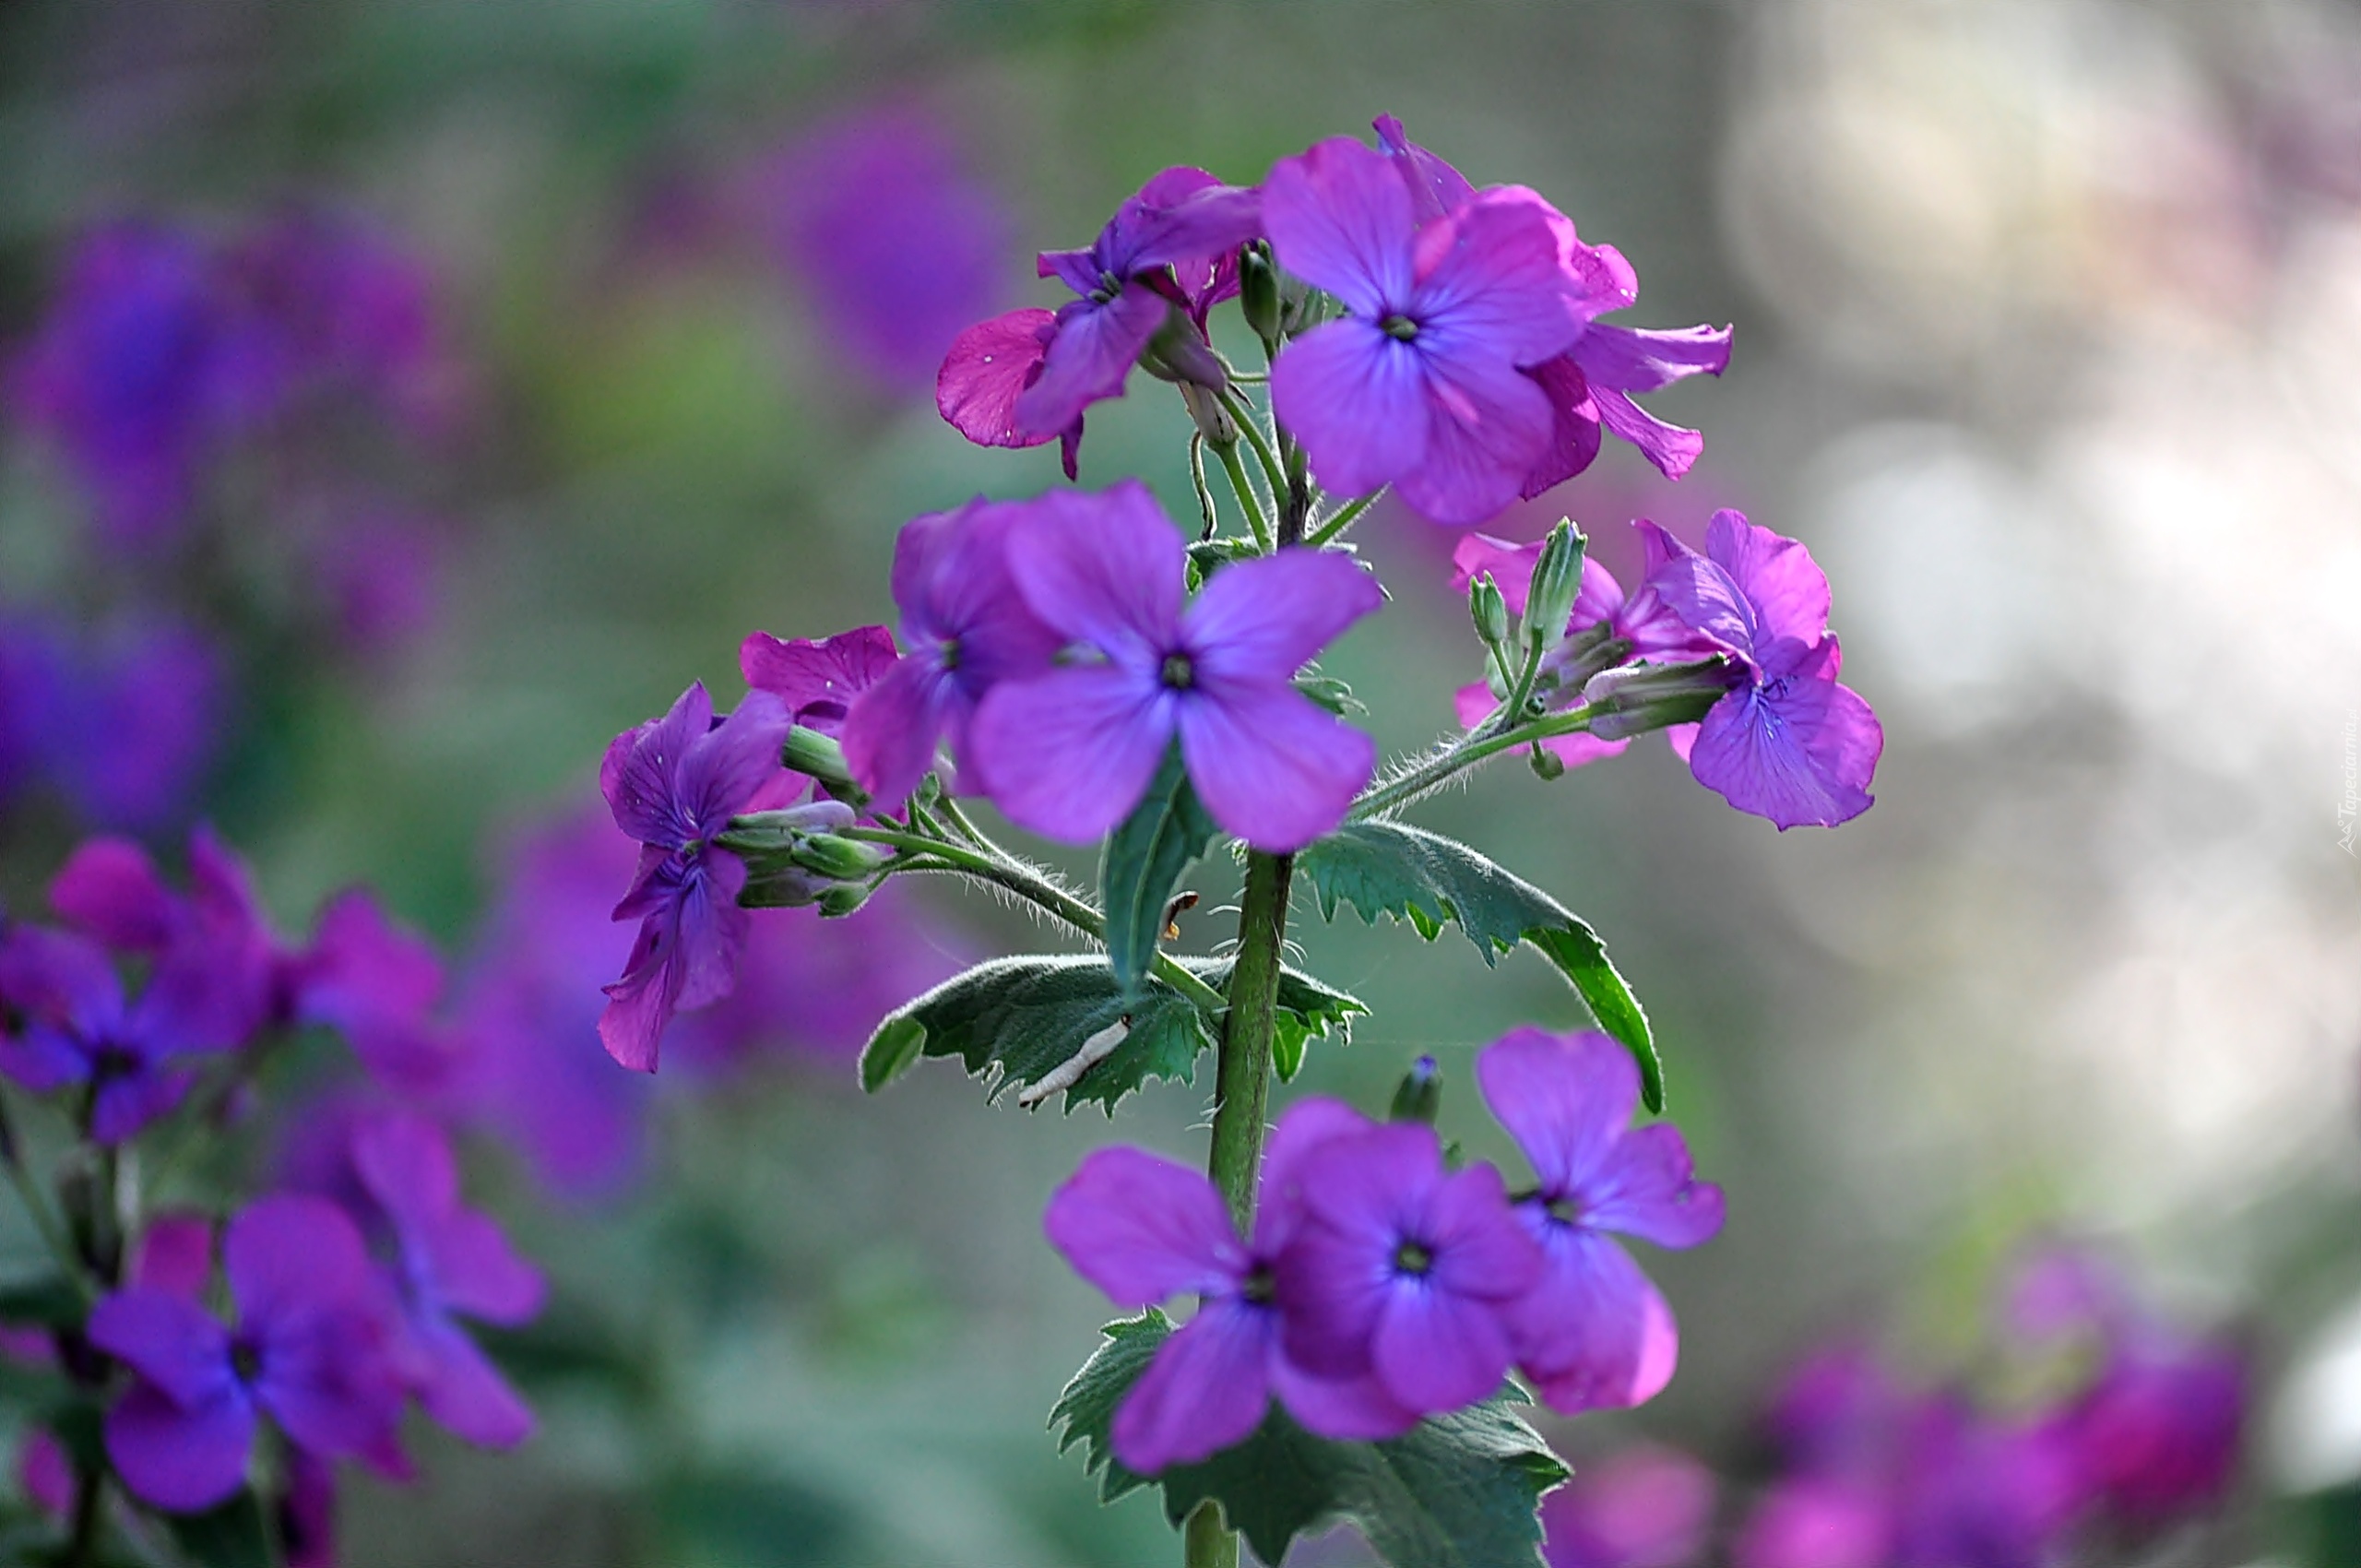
(673, 783)
(818, 679)
(123, 723)
(1069, 750)
(1145, 1229)
(1644, 1507)
(1593, 1332)
(309, 1349)
(1024, 378)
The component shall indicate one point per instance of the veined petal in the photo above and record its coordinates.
(1434, 185)
(1206, 221)
(712, 928)
(641, 774)
(1595, 1333)
(1070, 754)
(1339, 216)
(1145, 1229)
(182, 1458)
(989, 367)
(1357, 399)
(1480, 1250)
(726, 765)
(1266, 619)
(818, 679)
(1785, 589)
(1093, 348)
(1105, 569)
(1672, 448)
(1436, 1350)
(1272, 766)
(1309, 1123)
(1488, 425)
(892, 728)
(1632, 359)
(1565, 1098)
(1647, 1187)
(1798, 752)
(1206, 1389)
(1510, 565)
(1491, 277)
(643, 1002)
(1574, 425)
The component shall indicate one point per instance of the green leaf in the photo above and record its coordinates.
(1207, 556)
(47, 1303)
(1458, 1490)
(1391, 868)
(1329, 692)
(1143, 863)
(1020, 1019)
(232, 1536)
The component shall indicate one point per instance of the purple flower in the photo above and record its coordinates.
(1788, 742)
(2158, 1435)
(1403, 1270)
(673, 783)
(1814, 1522)
(817, 681)
(964, 627)
(1593, 1333)
(1590, 385)
(1417, 385)
(448, 1262)
(379, 570)
(1640, 626)
(898, 247)
(1646, 1507)
(309, 1350)
(1008, 382)
(1145, 1229)
(376, 984)
(124, 722)
(1069, 752)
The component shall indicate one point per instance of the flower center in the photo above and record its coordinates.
(1564, 1210)
(1179, 673)
(1413, 1257)
(112, 1061)
(1399, 327)
(245, 1361)
(1109, 286)
(1258, 1287)
(946, 653)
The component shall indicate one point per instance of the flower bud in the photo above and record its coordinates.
(1488, 610)
(775, 882)
(1177, 353)
(846, 859)
(1419, 1094)
(1556, 579)
(1213, 421)
(1639, 697)
(1546, 763)
(778, 832)
(1258, 290)
(842, 899)
(810, 752)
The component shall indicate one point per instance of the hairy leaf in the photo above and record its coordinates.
(1142, 864)
(1458, 1490)
(1391, 868)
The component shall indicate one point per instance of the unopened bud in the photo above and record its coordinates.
(1546, 763)
(847, 860)
(1419, 1096)
(1556, 579)
(1178, 352)
(1258, 290)
(1488, 610)
(1213, 421)
(810, 752)
(1639, 697)
(842, 899)
(778, 832)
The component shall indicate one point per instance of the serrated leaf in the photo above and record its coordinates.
(1143, 863)
(1019, 1019)
(232, 1536)
(1391, 868)
(48, 1303)
(1458, 1490)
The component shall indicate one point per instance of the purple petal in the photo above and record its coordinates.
(405, 1161)
(1491, 282)
(1436, 1350)
(127, 1101)
(1488, 425)
(1481, 1248)
(1435, 186)
(328, 1376)
(1351, 1409)
(1331, 1287)
(891, 730)
(989, 367)
(1565, 1098)
(1574, 425)
(1357, 400)
(712, 929)
(44, 1058)
(1595, 1333)
(950, 578)
(728, 763)
(1799, 752)
(60, 978)
(167, 1339)
(1070, 754)
(1697, 593)
(1785, 591)
(363, 968)
(817, 681)
(1339, 216)
(1266, 619)
(1810, 1522)
(307, 1517)
(640, 776)
(1631, 359)
(1183, 216)
(1510, 565)
(643, 1002)
(46, 1475)
(176, 1255)
(1093, 348)
(461, 1390)
(1143, 1228)
(1206, 1389)
(181, 1458)
(1272, 766)
(1106, 569)
(1647, 1187)
(291, 1253)
(108, 889)
(1642, 1507)
(1309, 1123)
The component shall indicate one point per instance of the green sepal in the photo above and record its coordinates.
(1329, 692)
(1017, 1020)
(1391, 868)
(1457, 1491)
(1144, 859)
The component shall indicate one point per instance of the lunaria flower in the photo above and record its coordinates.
(817, 680)
(1145, 1229)
(1593, 1333)
(1068, 751)
(1023, 378)
(673, 783)
(1644, 1507)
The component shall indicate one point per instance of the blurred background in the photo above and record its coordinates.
(402, 399)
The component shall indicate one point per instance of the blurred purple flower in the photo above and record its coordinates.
(1788, 742)
(964, 627)
(1814, 1522)
(45, 1475)
(1402, 1269)
(379, 572)
(817, 681)
(1069, 750)
(123, 723)
(898, 246)
(1593, 1332)
(1017, 381)
(673, 783)
(309, 1350)
(1145, 1229)
(1644, 1507)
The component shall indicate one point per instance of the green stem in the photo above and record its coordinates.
(1480, 744)
(1207, 1542)
(1247, 501)
(1204, 491)
(89, 1511)
(1347, 516)
(1263, 452)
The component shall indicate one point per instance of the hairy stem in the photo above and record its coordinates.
(1248, 502)
(1345, 517)
(1480, 744)
(1253, 431)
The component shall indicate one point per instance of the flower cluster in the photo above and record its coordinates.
(1381, 1285)
(1782, 738)
(120, 722)
(1443, 339)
